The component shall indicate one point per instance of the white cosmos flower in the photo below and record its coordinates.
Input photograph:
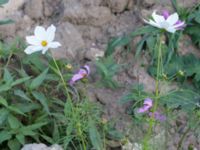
(42, 40)
(170, 23)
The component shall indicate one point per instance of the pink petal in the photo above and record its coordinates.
(75, 78)
(157, 116)
(148, 102)
(165, 14)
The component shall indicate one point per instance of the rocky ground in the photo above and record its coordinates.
(84, 28)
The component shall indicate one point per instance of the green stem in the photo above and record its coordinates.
(9, 57)
(152, 120)
(70, 101)
(81, 136)
(61, 77)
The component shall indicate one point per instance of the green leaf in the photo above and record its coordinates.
(5, 135)
(120, 41)
(19, 81)
(34, 126)
(185, 98)
(145, 30)
(28, 107)
(27, 132)
(42, 99)
(13, 122)
(21, 94)
(3, 2)
(5, 87)
(20, 138)
(8, 21)
(7, 77)
(14, 144)
(56, 134)
(175, 5)
(38, 80)
(3, 102)
(139, 47)
(3, 115)
(95, 136)
(48, 139)
(16, 110)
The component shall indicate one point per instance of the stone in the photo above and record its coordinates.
(98, 16)
(8, 30)
(186, 46)
(11, 8)
(92, 15)
(94, 53)
(117, 6)
(130, 5)
(149, 3)
(91, 2)
(71, 40)
(34, 9)
(34, 147)
(90, 33)
(41, 147)
(52, 7)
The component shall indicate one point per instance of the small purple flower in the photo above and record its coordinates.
(157, 116)
(148, 103)
(82, 73)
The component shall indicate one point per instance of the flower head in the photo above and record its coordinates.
(157, 116)
(170, 23)
(42, 40)
(148, 103)
(82, 73)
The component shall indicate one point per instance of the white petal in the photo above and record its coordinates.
(157, 18)
(40, 33)
(54, 45)
(172, 19)
(151, 22)
(45, 49)
(51, 33)
(32, 40)
(171, 29)
(32, 49)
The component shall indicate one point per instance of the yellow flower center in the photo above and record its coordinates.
(44, 43)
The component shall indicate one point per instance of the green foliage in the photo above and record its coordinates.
(185, 99)
(34, 106)
(136, 94)
(107, 68)
(150, 36)
(193, 27)
(188, 64)
(2, 2)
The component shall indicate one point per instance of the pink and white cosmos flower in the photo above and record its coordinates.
(170, 23)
